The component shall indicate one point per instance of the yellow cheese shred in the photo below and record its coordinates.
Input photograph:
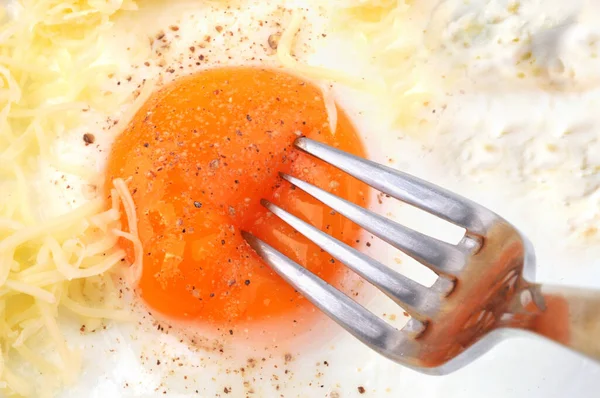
(44, 285)
(129, 206)
(284, 55)
(48, 50)
(330, 106)
(381, 26)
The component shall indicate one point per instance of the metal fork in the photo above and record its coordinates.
(480, 292)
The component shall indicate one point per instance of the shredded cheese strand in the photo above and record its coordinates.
(381, 25)
(90, 312)
(128, 204)
(47, 76)
(52, 226)
(284, 55)
(330, 106)
(135, 271)
(30, 290)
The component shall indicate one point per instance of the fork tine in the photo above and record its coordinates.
(415, 298)
(441, 257)
(353, 317)
(412, 190)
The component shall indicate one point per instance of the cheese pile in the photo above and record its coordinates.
(48, 74)
(386, 30)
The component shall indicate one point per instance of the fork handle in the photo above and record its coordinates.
(571, 317)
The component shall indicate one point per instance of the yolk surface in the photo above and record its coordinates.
(198, 157)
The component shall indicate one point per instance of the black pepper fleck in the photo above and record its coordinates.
(89, 138)
(273, 40)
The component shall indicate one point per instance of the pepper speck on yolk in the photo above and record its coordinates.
(198, 157)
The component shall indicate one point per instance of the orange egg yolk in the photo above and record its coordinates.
(197, 158)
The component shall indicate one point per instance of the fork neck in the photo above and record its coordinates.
(568, 316)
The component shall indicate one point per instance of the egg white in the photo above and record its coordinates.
(140, 360)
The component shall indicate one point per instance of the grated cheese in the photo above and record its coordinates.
(286, 58)
(284, 55)
(45, 284)
(382, 27)
(129, 206)
(330, 106)
(48, 74)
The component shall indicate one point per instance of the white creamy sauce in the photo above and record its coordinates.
(524, 112)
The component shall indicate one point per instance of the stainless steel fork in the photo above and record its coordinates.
(480, 292)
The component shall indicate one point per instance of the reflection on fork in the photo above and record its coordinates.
(480, 290)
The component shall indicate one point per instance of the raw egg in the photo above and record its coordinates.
(198, 157)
